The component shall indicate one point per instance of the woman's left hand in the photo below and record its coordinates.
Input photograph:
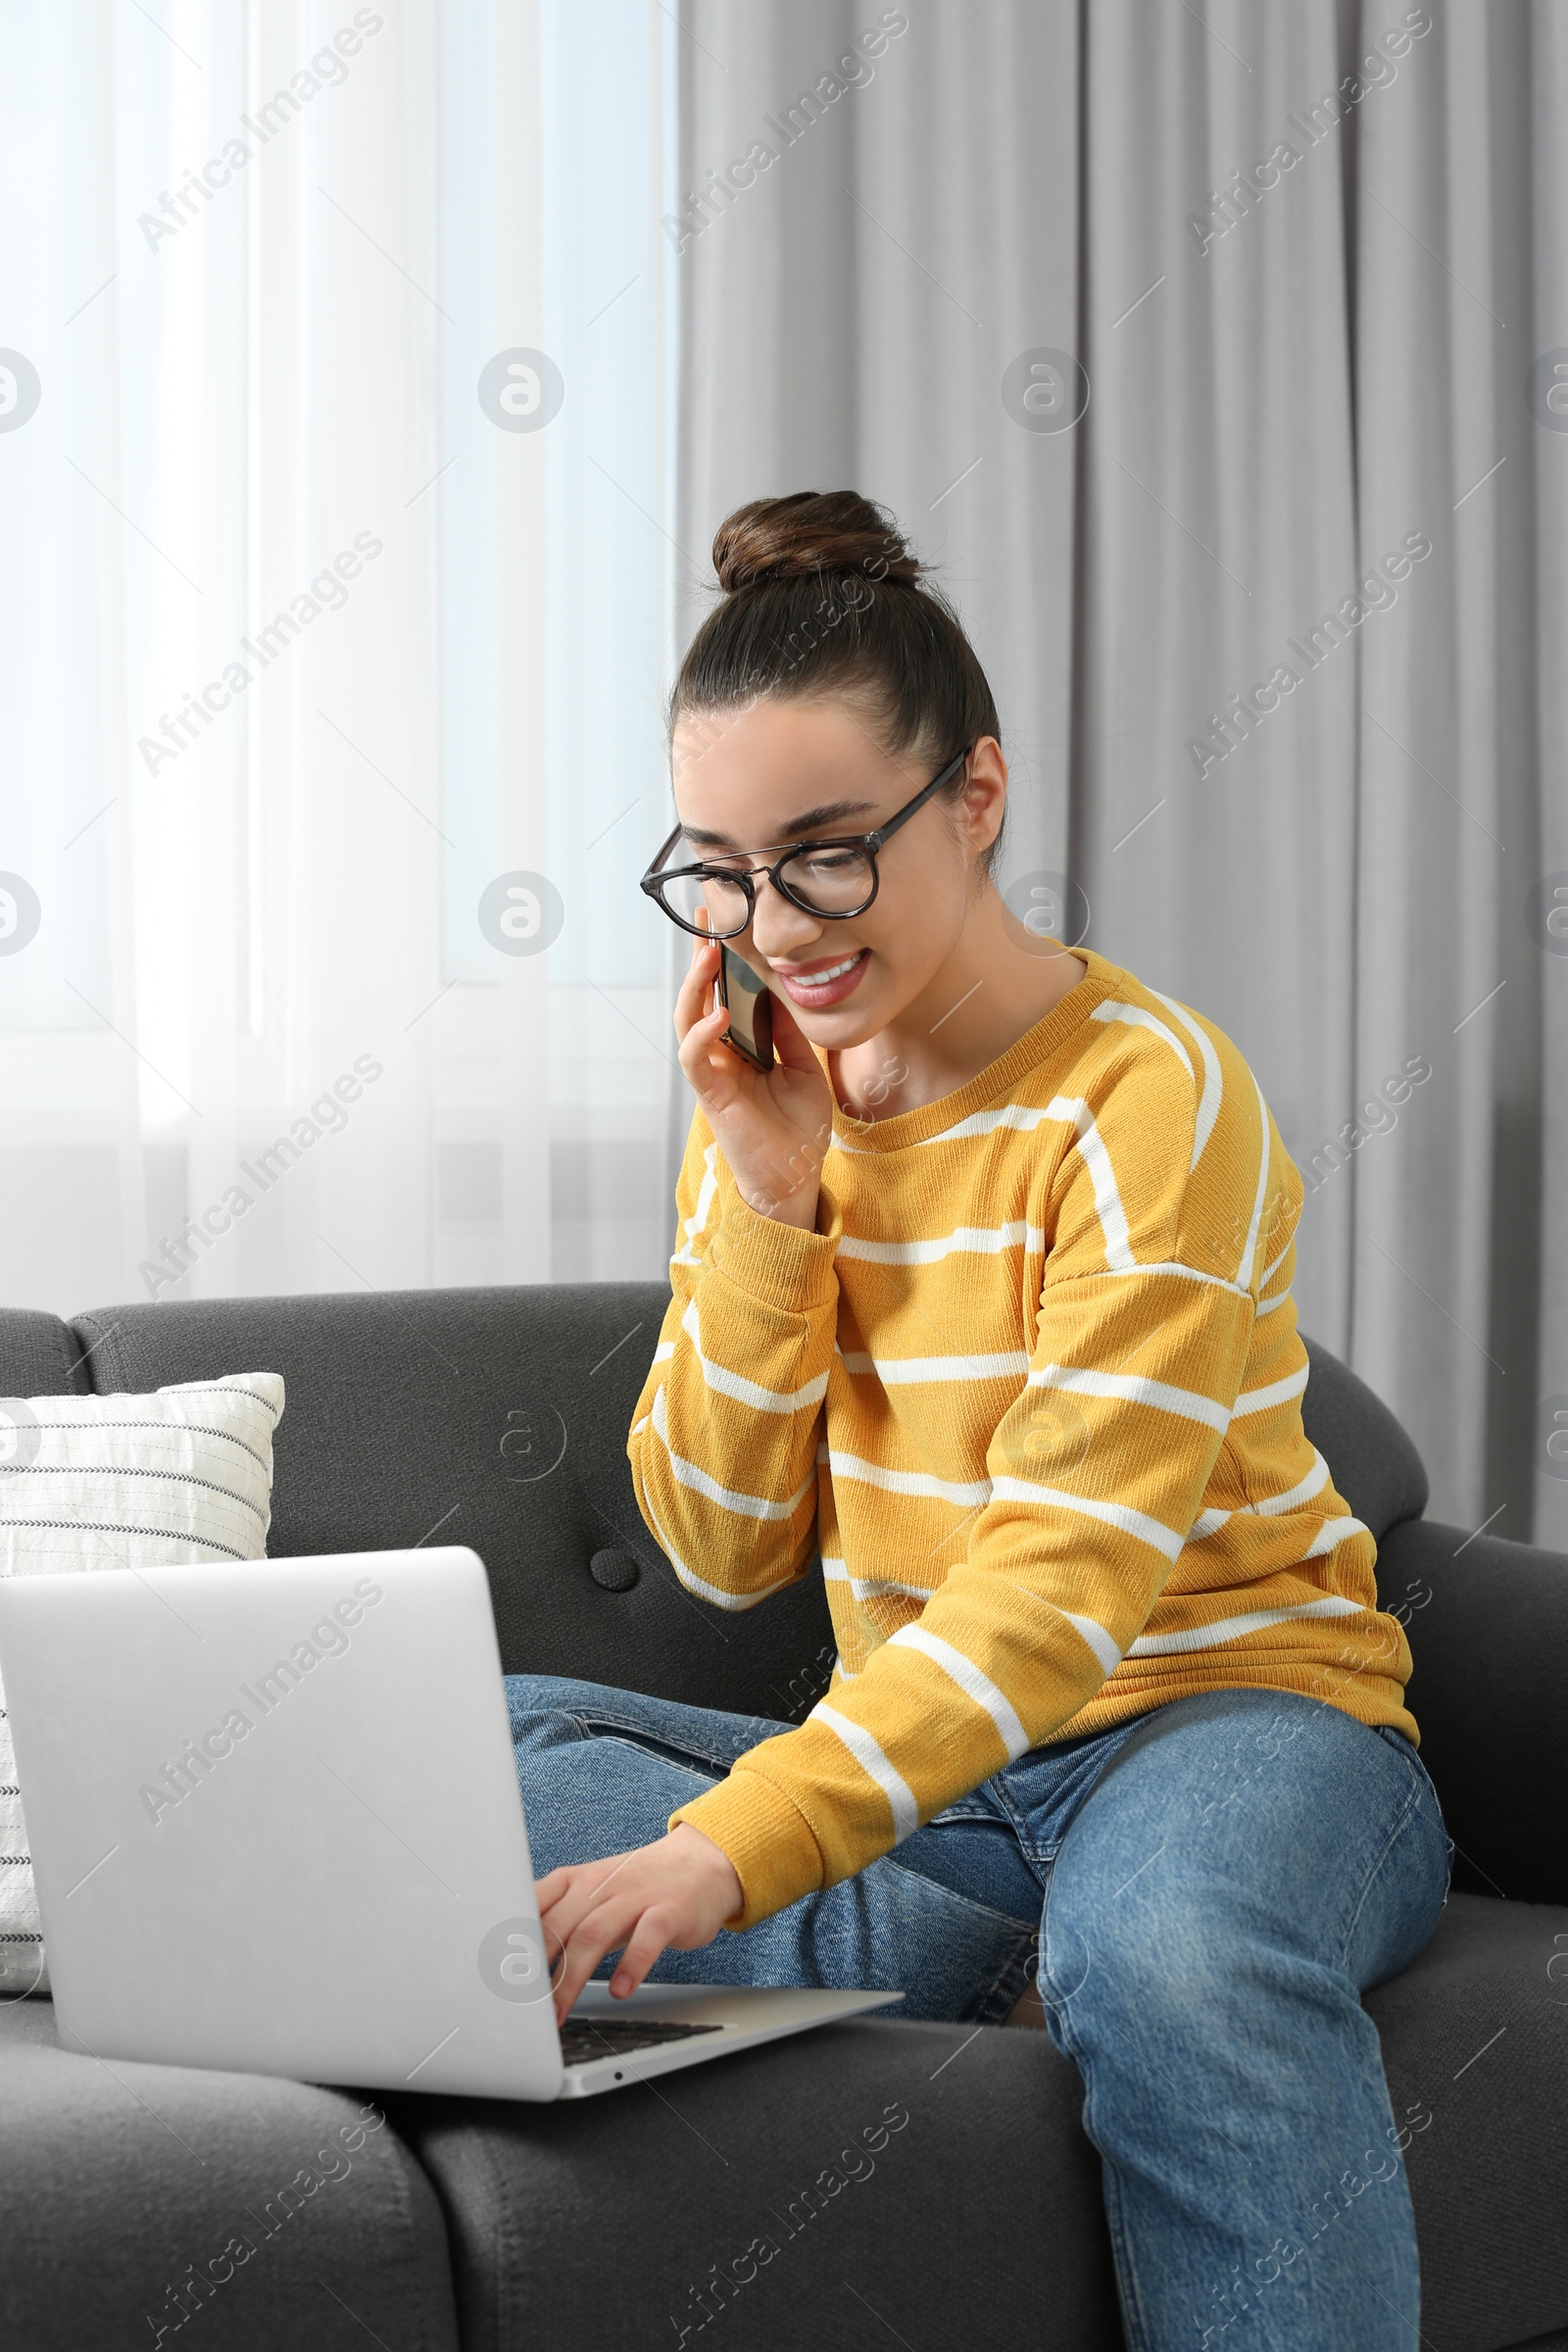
(676, 1893)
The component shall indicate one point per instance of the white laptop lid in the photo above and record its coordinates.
(306, 1706)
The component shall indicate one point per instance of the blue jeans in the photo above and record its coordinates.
(1209, 1887)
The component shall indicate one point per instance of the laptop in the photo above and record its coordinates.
(275, 1826)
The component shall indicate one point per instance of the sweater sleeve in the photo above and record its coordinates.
(725, 1440)
(1095, 1477)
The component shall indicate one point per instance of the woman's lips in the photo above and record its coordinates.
(813, 995)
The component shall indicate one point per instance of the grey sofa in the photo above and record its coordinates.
(485, 2226)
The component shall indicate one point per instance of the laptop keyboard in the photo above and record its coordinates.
(583, 2038)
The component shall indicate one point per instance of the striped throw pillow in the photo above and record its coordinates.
(120, 1482)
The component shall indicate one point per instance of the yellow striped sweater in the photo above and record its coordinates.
(1034, 1391)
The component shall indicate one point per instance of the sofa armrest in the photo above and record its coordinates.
(1487, 1627)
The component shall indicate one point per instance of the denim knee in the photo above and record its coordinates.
(537, 1712)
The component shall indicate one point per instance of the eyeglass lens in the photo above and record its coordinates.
(829, 881)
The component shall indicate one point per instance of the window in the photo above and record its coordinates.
(314, 637)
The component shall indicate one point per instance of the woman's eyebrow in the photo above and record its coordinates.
(811, 823)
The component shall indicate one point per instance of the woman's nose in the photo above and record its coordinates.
(778, 926)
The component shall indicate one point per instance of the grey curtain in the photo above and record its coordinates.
(1213, 352)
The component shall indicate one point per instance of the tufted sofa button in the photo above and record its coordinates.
(615, 1571)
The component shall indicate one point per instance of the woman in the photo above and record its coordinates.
(983, 1294)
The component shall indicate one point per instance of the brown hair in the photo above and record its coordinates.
(823, 601)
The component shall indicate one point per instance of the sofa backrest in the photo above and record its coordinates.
(498, 1418)
(495, 1418)
(41, 1356)
(1373, 1464)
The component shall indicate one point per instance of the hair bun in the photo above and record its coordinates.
(807, 534)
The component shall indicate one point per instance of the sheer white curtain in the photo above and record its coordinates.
(1304, 263)
(336, 461)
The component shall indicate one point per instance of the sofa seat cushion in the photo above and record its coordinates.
(1475, 2047)
(131, 2196)
(624, 2219)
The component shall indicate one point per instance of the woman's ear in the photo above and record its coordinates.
(984, 798)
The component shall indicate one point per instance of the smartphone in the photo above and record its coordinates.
(751, 1009)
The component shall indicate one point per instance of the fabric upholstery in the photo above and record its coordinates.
(41, 1356)
(1487, 1627)
(1375, 1466)
(1475, 2039)
(116, 2181)
(980, 2222)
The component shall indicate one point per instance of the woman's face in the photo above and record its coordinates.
(783, 771)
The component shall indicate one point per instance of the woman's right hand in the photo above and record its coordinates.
(773, 1127)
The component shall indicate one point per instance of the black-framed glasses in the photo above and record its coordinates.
(836, 878)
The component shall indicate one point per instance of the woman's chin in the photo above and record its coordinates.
(836, 1028)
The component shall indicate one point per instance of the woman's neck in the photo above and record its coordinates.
(999, 981)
